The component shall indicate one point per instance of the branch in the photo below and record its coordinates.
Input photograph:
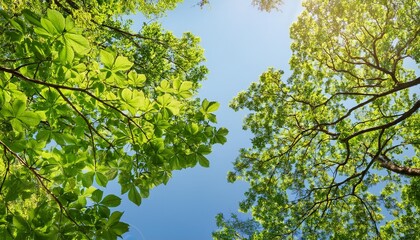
(39, 178)
(126, 33)
(404, 116)
(6, 171)
(385, 162)
(76, 89)
(399, 87)
(90, 127)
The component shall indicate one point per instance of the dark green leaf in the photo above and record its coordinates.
(120, 228)
(114, 218)
(134, 195)
(203, 161)
(97, 195)
(111, 201)
(101, 179)
(31, 17)
(87, 179)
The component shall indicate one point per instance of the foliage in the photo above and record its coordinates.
(338, 141)
(267, 5)
(235, 228)
(85, 101)
(263, 5)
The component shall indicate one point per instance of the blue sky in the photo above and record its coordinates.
(240, 43)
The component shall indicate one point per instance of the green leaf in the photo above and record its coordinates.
(97, 195)
(43, 135)
(223, 131)
(4, 14)
(168, 102)
(120, 228)
(144, 192)
(185, 86)
(19, 25)
(220, 136)
(107, 58)
(56, 19)
(39, 50)
(203, 149)
(48, 26)
(164, 86)
(203, 161)
(20, 223)
(41, 31)
(79, 43)
(31, 17)
(87, 179)
(13, 36)
(185, 89)
(104, 211)
(101, 179)
(122, 64)
(16, 125)
(112, 173)
(29, 118)
(111, 201)
(126, 95)
(140, 80)
(18, 107)
(212, 107)
(70, 196)
(134, 195)
(137, 79)
(66, 54)
(69, 24)
(114, 218)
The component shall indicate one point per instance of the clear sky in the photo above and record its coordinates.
(240, 43)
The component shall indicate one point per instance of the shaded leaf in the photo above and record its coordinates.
(134, 195)
(111, 201)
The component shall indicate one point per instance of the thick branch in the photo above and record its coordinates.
(385, 162)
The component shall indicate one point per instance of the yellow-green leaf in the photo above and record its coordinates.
(56, 19)
(122, 64)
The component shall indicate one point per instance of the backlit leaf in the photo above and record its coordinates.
(122, 64)
(107, 58)
(56, 19)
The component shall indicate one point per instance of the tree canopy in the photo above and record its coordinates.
(267, 5)
(335, 152)
(263, 5)
(84, 101)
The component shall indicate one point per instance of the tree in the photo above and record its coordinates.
(267, 5)
(85, 101)
(263, 5)
(335, 152)
(235, 228)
